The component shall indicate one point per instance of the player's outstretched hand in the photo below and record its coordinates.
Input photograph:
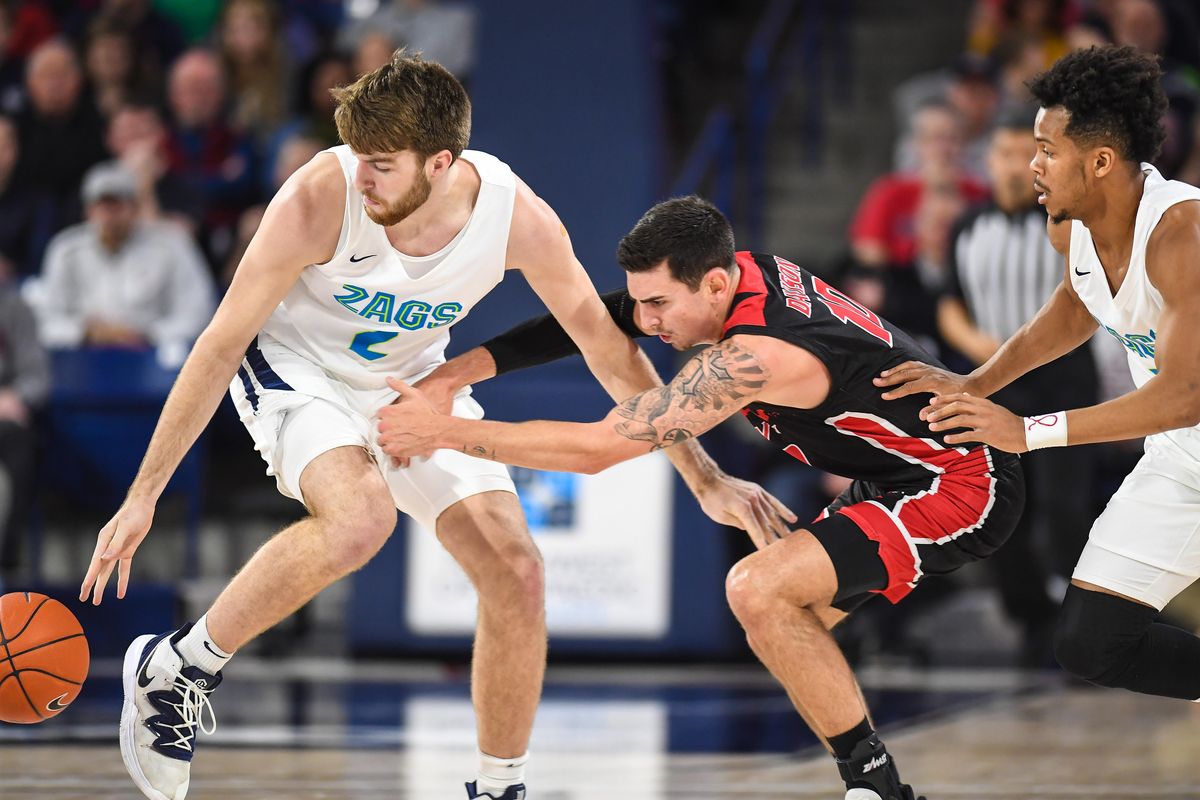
(407, 427)
(983, 421)
(916, 377)
(115, 545)
(742, 504)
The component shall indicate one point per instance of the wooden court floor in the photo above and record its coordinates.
(1061, 744)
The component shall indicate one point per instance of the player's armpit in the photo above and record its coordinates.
(711, 387)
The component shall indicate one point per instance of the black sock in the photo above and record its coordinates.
(843, 744)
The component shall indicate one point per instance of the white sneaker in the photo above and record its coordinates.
(165, 702)
(862, 794)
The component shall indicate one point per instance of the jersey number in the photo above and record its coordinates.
(362, 343)
(851, 311)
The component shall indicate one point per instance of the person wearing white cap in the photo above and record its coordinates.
(115, 281)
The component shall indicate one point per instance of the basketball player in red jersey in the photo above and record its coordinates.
(797, 358)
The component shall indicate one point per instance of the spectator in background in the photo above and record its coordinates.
(1144, 24)
(883, 230)
(372, 50)
(195, 19)
(1020, 58)
(1042, 21)
(296, 151)
(206, 152)
(137, 137)
(115, 281)
(970, 88)
(1004, 269)
(12, 63)
(441, 31)
(108, 61)
(24, 385)
(26, 216)
(27, 26)
(157, 38)
(59, 131)
(256, 65)
(314, 112)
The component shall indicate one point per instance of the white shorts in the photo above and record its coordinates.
(1146, 544)
(291, 428)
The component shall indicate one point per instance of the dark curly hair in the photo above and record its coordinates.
(689, 232)
(1113, 95)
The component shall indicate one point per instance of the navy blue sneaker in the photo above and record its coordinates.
(166, 702)
(516, 792)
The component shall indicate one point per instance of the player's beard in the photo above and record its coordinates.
(393, 213)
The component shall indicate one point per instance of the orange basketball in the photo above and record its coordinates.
(43, 657)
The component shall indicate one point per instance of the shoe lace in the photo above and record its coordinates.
(191, 710)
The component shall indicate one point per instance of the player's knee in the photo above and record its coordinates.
(747, 599)
(1098, 635)
(527, 582)
(359, 536)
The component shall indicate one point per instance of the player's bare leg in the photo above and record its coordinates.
(780, 595)
(352, 515)
(167, 678)
(487, 536)
(783, 597)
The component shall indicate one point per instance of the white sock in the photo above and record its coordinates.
(198, 650)
(497, 774)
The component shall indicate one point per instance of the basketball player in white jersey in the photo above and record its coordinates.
(1132, 246)
(363, 261)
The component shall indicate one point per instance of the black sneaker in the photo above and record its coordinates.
(870, 773)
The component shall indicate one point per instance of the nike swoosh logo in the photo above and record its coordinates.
(1081, 274)
(208, 647)
(143, 677)
(355, 260)
(56, 704)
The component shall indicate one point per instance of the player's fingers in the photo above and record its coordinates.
(894, 372)
(102, 581)
(102, 540)
(774, 524)
(766, 523)
(914, 386)
(400, 386)
(123, 566)
(783, 511)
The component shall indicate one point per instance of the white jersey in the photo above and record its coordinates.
(370, 311)
(1132, 315)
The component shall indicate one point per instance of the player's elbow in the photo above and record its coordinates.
(597, 460)
(1190, 413)
(598, 453)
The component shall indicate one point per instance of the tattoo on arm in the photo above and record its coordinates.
(479, 451)
(709, 388)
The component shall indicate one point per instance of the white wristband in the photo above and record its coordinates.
(1046, 430)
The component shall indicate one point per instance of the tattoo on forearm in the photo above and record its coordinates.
(708, 386)
(479, 451)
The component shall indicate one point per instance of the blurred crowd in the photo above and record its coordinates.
(139, 143)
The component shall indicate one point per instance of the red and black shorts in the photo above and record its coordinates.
(885, 540)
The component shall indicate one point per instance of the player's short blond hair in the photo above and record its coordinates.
(407, 104)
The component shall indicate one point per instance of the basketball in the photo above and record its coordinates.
(43, 657)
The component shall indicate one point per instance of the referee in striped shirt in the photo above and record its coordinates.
(1002, 269)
